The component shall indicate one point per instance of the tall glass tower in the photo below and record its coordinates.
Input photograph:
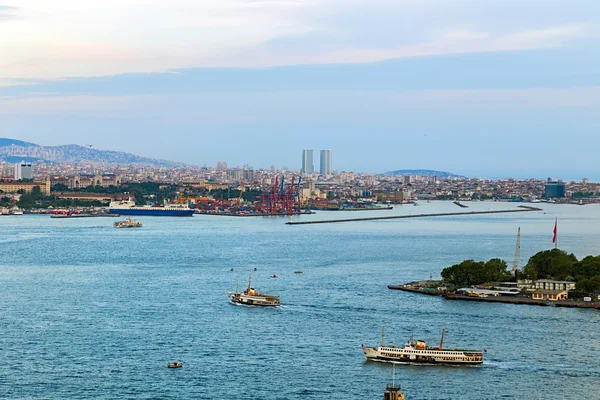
(326, 168)
(307, 161)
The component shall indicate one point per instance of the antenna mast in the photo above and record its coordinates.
(517, 251)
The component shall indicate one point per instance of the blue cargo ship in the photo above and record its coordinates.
(128, 207)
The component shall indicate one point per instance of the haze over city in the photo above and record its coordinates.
(495, 88)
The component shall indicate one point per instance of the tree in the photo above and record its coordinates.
(550, 264)
(60, 187)
(588, 267)
(496, 270)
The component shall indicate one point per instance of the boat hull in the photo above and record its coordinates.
(158, 212)
(395, 355)
(263, 301)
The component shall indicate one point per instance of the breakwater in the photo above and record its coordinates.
(330, 221)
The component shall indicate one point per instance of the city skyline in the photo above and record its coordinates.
(486, 92)
(122, 159)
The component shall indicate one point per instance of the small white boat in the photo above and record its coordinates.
(175, 364)
(274, 276)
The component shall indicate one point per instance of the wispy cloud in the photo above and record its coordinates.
(8, 13)
(70, 38)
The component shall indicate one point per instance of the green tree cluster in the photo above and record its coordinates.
(470, 272)
(28, 200)
(559, 265)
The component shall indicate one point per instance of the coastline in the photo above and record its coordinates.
(501, 299)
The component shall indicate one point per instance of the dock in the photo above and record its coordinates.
(497, 299)
(330, 221)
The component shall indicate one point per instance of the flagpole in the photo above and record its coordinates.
(556, 232)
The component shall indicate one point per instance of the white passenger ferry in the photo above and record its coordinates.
(419, 353)
(252, 298)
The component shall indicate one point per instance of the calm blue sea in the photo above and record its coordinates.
(89, 311)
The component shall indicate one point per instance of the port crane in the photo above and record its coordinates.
(517, 252)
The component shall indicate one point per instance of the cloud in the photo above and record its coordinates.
(560, 67)
(71, 38)
(8, 13)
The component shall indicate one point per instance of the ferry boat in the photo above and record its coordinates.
(252, 298)
(128, 207)
(128, 223)
(418, 352)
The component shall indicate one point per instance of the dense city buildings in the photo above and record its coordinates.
(336, 186)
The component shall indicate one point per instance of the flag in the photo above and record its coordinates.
(554, 237)
(484, 350)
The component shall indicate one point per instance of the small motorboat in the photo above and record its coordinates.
(175, 364)
(274, 276)
(298, 272)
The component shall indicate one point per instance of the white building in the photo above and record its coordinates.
(22, 171)
(545, 284)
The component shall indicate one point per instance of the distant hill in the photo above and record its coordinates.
(422, 172)
(10, 142)
(11, 150)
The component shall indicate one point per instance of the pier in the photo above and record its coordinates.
(330, 221)
(497, 299)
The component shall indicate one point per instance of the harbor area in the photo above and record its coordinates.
(497, 294)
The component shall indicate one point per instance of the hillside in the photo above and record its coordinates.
(422, 172)
(10, 142)
(11, 150)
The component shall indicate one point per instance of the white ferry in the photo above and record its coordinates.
(128, 207)
(252, 298)
(418, 352)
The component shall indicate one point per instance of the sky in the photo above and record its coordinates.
(494, 88)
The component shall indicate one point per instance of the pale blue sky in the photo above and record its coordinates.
(483, 88)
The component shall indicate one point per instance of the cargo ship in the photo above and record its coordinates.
(128, 207)
(417, 352)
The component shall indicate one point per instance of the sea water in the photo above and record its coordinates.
(90, 311)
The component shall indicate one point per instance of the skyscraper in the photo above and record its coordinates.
(326, 168)
(307, 161)
(22, 171)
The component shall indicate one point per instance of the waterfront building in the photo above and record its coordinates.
(307, 161)
(554, 189)
(22, 171)
(397, 197)
(551, 295)
(546, 284)
(326, 167)
(27, 187)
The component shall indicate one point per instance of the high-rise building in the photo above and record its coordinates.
(307, 161)
(22, 171)
(326, 162)
(554, 189)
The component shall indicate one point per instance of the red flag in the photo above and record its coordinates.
(554, 237)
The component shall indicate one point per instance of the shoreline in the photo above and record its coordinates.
(501, 299)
